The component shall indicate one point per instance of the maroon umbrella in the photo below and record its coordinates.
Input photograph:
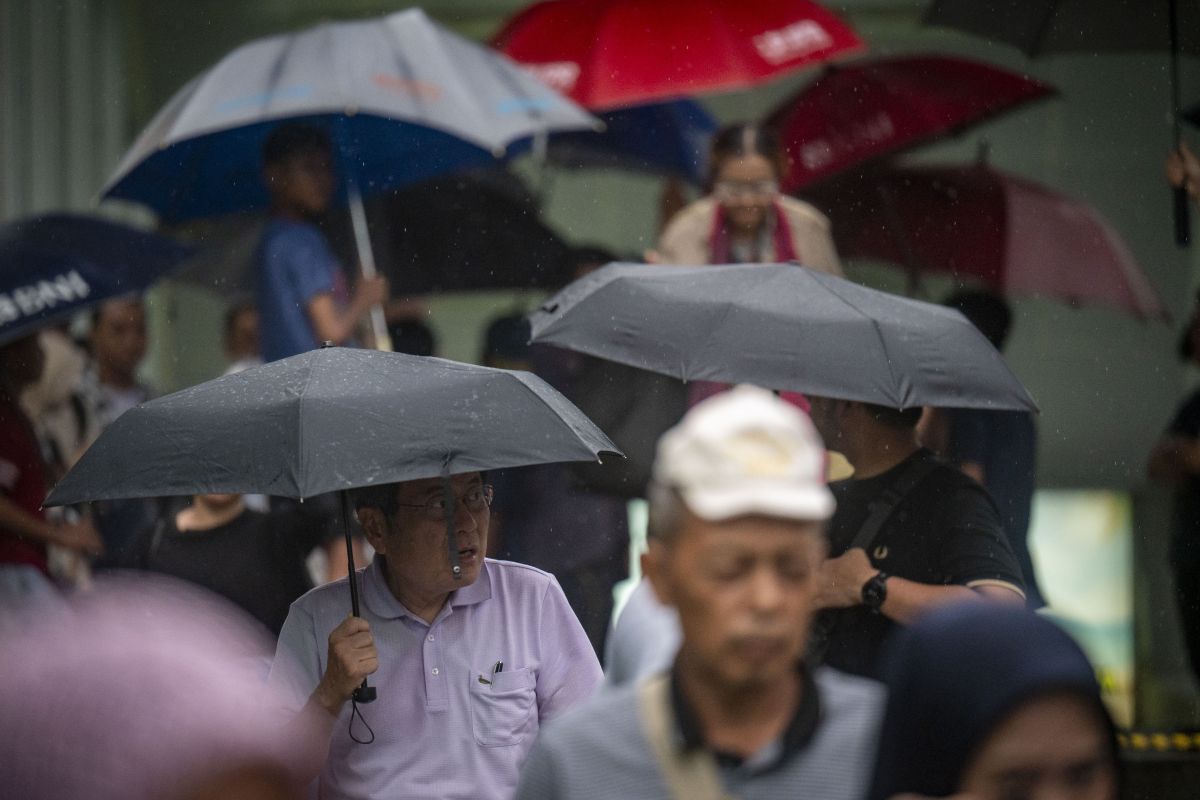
(978, 223)
(878, 107)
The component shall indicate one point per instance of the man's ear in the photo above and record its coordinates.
(374, 525)
(654, 567)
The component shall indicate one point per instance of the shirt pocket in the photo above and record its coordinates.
(503, 712)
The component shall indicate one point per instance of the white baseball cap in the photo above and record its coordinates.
(745, 451)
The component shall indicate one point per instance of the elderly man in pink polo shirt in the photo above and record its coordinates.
(467, 670)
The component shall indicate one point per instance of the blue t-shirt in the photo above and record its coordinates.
(295, 264)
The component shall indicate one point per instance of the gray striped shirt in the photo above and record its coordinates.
(598, 750)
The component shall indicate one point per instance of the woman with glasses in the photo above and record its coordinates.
(744, 218)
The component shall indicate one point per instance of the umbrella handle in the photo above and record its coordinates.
(364, 693)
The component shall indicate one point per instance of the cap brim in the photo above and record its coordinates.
(815, 503)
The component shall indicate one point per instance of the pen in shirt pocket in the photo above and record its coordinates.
(496, 669)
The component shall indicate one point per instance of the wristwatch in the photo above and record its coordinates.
(874, 591)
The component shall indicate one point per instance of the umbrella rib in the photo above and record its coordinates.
(887, 356)
(300, 443)
(726, 311)
(558, 417)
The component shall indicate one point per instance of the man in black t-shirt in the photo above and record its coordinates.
(942, 542)
(255, 560)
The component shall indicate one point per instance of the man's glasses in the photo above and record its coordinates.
(735, 189)
(475, 500)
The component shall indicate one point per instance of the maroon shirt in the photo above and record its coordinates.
(23, 481)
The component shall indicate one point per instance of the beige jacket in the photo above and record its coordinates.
(685, 239)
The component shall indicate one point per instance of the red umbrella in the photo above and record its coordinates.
(979, 223)
(609, 53)
(855, 113)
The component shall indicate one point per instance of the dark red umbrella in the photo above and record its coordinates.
(874, 108)
(610, 53)
(981, 224)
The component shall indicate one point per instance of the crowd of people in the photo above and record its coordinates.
(873, 635)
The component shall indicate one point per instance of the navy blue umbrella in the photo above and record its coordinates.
(668, 138)
(54, 266)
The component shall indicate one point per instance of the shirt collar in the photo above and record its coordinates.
(799, 732)
(383, 603)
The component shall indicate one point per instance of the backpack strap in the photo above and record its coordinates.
(879, 512)
(882, 508)
(689, 775)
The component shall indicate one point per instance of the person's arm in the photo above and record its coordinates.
(352, 656)
(1183, 170)
(842, 579)
(814, 241)
(1174, 459)
(331, 323)
(80, 536)
(571, 672)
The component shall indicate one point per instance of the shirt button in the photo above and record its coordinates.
(431, 637)
(435, 670)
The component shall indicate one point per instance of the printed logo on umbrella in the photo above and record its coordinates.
(558, 75)
(261, 99)
(398, 83)
(26, 301)
(798, 39)
(818, 153)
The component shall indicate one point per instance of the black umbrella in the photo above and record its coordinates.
(475, 231)
(781, 326)
(329, 420)
(1039, 27)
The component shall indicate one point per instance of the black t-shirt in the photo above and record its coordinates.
(1185, 545)
(946, 531)
(257, 560)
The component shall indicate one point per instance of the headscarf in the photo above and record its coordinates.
(957, 673)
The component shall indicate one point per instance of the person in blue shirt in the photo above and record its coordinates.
(303, 298)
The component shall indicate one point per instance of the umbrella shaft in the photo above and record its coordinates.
(366, 257)
(352, 578)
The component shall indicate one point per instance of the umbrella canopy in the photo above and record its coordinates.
(402, 98)
(978, 223)
(330, 419)
(1039, 27)
(879, 107)
(478, 230)
(668, 138)
(54, 266)
(784, 327)
(610, 53)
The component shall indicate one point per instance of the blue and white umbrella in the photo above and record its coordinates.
(402, 98)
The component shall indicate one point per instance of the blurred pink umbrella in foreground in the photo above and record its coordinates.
(975, 222)
(146, 688)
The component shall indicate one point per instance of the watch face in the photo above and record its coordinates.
(874, 591)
